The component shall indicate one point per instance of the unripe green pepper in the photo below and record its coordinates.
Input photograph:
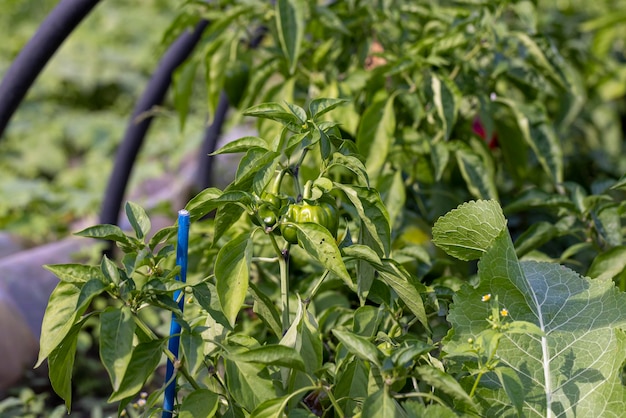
(235, 81)
(321, 213)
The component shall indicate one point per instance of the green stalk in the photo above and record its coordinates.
(283, 264)
(179, 366)
(316, 287)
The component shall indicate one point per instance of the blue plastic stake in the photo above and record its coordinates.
(174, 341)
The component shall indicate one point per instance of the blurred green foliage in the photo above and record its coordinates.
(58, 150)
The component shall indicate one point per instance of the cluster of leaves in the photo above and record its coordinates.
(492, 102)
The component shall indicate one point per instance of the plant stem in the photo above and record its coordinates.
(333, 401)
(283, 264)
(180, 367)
(316, 287)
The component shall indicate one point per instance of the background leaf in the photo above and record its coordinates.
(290, 24)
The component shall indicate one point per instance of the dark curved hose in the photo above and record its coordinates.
(37, 52)
(204, 175)
(139, 123)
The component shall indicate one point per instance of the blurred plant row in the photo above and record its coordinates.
(393, 113)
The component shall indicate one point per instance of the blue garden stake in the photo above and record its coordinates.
(174, 341)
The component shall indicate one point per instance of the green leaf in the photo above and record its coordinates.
(162, 236)
(535, 52)
(107, 232)
(513, 387)
(144, 360)
(351, 163)
(109, 270)
(290, 24)
(226, 217)
(248, 383)
(321, 245)
(117, 329)
(445, 383)
(440, 155)
(242, 145)
(359, 346)
(362, 252)
(278, 355)
(406, 287)
(88, 291)
(298, 112)
(366, 321)
(619, 184)
(418, 409)
(193, 349)
(304, 336)
(608, 224)
(373, 214)
(74, 273)
(534, 237)
(202, 205)
(184, 78)
(59, 318)
(232, 267)
(320, 106)
(352, 385)
(265, 308)
(199, 403)
(255, 170)
(541, 138)
(468, 231)
(445, 98)
(609, 264)
(275, 408)
(480, 181)
(138, 219)
(376, 134)
(576, 363)
(61, 365)
(274, 111)
(380, 404)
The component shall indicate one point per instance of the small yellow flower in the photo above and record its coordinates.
(486, 297)
(504, 312)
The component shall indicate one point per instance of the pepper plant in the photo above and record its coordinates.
(333, 276)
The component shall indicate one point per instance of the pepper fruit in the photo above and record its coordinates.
(235, 81)
(322, 213)
(270, 210)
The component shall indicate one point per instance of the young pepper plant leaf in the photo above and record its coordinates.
(232, 268)
(199, 403)
(574, 367)
(117, 329)
(61, 365)
(138, 219)
(320, 244)
(290, 24)
(375, 135)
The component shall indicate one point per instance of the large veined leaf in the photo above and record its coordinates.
(573, 368)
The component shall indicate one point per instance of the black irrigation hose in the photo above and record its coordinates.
(37, 52)
(204, 175)
(153, 95)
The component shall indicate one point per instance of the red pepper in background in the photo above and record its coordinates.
(479, 130)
